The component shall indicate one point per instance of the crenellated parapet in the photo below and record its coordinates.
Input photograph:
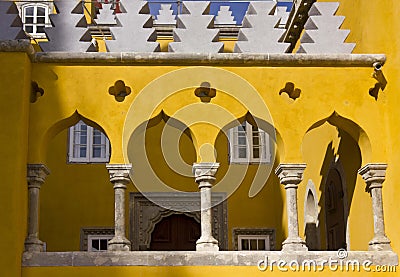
(259, 33)
(194, 32)
(69, 32)
(134, 31)
(322, 31)
(10, 22)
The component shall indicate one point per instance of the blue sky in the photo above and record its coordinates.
(238, 8)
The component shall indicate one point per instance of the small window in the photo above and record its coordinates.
(248, 144)
(253, 242)
(253, 239)
(35, 18)
(98, 242)
(87, 145)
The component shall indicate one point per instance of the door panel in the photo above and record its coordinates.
(175, 232)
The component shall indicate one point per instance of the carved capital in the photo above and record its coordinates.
(119, 173)
(374, 174)
(36, 175)
(205, 172)
(290, 175)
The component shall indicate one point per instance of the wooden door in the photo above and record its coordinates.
(175, 232)
(334, 211)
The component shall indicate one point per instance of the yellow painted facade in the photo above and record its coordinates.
(333, 117)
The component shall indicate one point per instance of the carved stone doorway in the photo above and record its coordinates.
(144, 215)
(177, 232)
(334, 211)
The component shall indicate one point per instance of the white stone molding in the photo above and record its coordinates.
(36, 176)
(194, 32)
(106, 15)
(70, 23)
(374, 175)
(204, 175)
(224, 16)
(134, 32)
(290, 175)
(10, 22)
(322, 32)
(259, 33)
(165, 16)
(149, 209)
(88, 231)
(119, 177)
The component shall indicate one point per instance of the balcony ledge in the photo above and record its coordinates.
(206, 258)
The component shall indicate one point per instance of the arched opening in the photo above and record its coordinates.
(311, 220)
(177, 232)
(334, 149)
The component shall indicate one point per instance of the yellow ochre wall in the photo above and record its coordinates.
(14, 87)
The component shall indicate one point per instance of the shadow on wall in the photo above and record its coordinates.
(339, 175)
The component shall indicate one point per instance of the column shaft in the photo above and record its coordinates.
(119, 176)
(290, 175)
(204, 176)
(374, 175)
(36, 177)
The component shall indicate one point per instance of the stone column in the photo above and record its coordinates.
(290, 175)
(374, 175)
(204, 175)
(36, 175)
(119, 176)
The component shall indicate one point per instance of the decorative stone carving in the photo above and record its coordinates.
(374, 175)
(204, 175)
(119, 90)
(36, 176)
(322, 31)
(119, 176)
(145, 213)
(10, 22)
(134, 32)
(259, 33)
(224, 16)
(194, 33)
(291, 91)
(165, 16)
(69, 32)
(36, 92)
(106, 15)
(290, 175)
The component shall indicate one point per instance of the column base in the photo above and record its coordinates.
(34, 245)
(207, 244)
(119, 244)
(381, 243)
(294, 244)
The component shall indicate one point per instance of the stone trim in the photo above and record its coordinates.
(222, 59)
(87, 231)
(236, 232)
(145, 214)
(196, 258)
(21, 45)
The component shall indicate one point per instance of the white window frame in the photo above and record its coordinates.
(89, 146)
(265, 238)
(91, 238)
(264, 145)
(47, 10)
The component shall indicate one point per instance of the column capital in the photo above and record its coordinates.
(119, 173)
(36, 174)
(374, 174)
(290, 174)
(205, 171)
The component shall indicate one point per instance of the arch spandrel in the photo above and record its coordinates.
(153, 96)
